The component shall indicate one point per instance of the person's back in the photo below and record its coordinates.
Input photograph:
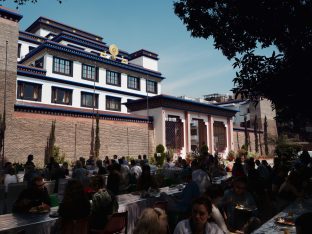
(9, 178)
(202, 179)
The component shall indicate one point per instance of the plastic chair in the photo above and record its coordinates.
(14, 190)
(118, 223)
(80, 226)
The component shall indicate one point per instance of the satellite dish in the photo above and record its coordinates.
(113, 50)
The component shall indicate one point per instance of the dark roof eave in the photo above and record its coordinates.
(66, 49)
(11, 13)
(77, 112)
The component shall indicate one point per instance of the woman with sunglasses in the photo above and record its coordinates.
(199, 221)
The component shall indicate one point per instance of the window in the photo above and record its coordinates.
(39, 62)
(89, 100)
(113, 103)
(133, 83)
(31, 48)
(19, 50)
(29, 91)
(113, 78)
(89, 72)
(61, 96)
(62, 66)
(151, 86)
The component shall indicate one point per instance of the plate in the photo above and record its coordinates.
(285, 221)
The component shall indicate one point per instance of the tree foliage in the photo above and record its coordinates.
(23, 2)
(49, 149)
(265, 136)
(97, 143)
(240, 28)
(256, 134)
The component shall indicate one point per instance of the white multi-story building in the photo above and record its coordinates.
(63, 66)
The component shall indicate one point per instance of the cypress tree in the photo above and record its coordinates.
(265, 136)
(256, 134)
(50, 144)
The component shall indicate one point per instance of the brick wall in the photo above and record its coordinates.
(239, 141)
(29, 133)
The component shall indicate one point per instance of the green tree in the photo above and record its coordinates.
(246, 132)
(256, 134)
(92, 141)
(23, 2)
(265, 136)
(97, 143)
(48, 153)
(241, 29)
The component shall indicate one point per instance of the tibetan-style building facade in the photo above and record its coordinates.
(52, 71)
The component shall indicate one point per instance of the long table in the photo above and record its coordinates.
(43, 223)
(297, 208)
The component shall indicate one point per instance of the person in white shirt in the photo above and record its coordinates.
(135, 170)
(198, 223)
(200, 177)
(9, 178)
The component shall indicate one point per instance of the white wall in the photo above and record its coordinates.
(25, 48)
(42, 32)
(146, 62)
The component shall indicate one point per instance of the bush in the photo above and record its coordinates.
(242, 152)
(285, 148)
(160, 155)
(57, 155)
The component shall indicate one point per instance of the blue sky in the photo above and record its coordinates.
(191, 66)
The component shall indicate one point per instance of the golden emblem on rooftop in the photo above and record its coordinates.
(113, 50)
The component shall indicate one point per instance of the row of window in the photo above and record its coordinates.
(32, 92)
(65, 67)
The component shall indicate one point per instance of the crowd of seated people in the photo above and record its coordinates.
(255, 192)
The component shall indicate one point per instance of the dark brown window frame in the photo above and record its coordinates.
(38, 99)
(64, 89)
(96, 96)
(155, 85)
(96, 72)
(113, 98)
(119, 78)
(61, 73)
(138, 82)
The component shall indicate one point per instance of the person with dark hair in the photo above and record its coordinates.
(30, 169)
(34, 198)
(115, 158)
(199, 221)
(145, 160)
(200, 177)
(303, 223)
(106, 162)
(114, 177)
(215, 194)
(238, 197)
(75, 204)
(146, 180)
(90, 163)
(289, 190)
(238, 169)
(80, 173)
(101, 169)
(104, 203)
(135, 172)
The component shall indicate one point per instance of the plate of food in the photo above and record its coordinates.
(245, 208)
(285, 221)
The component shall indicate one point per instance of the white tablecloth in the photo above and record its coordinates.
(297, 208)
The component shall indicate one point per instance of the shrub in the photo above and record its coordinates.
(160, 155)
(285, 148)
(58, 157)
(231, 155)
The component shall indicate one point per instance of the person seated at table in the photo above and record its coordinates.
(146, 180)
(10, 177)
(101, 170)
(152, 221)
(238, 195)
(114, 177)
(115, 158)
(168, 163)
(90, 163)
(124, 175)
(290, 190)
(75, 204)
(199, 220)
(183, 203)
(200, 177)
(104, 203)
(238, 169)
(186, 170)
(35, 197)
(80, 173)
(215, 194)
(106, 162)
(303, 223)
(135, 172)
(145, 160)
(64, 171)
(178, 163)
